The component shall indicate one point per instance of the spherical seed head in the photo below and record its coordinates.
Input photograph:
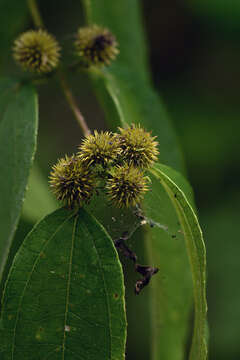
(96, 46)
(139, 148)
(71, 182)
(100, 148)
(127, 186)
(36, 51)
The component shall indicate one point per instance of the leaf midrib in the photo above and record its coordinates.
(68, 285)
(107, 295)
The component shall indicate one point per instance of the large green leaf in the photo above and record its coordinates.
(18, 132)
(126, 94)
(64, 297)
(196, 253)
(171, 288)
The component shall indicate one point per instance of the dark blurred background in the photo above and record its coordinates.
(195, 57)
(194, 53)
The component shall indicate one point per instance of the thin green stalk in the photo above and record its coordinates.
(73, 105)
(38, 21)
(87, 10)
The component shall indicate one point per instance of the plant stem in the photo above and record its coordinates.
(87, 7)
(37, 19)
(73, 105)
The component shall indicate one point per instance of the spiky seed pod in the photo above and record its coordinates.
(100, 148)
(36, 51)
(126, 186)
(139, 148)
(71, 182)
(96, 46)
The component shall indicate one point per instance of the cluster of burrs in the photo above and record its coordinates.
(39, 52)
(112, 162)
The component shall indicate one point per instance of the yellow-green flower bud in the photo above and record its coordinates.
(36, 51)
(139, 148)
(95, 46)
(100, 148)
(71, 182)
(126, 186)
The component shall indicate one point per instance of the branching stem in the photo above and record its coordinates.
(37, 19)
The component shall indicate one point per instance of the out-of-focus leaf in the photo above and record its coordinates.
(221, 231)
(18, 133)
(39, 200)
(126, 94)
(196, 254)
(224, 13)
(7, 87)
(130, 36)
(38, 203)
(22, 230)
(171, 288)
(64, 297)
(125, 88)
(13, 14)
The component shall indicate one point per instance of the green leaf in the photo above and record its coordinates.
(64, 297)
(126, 94)
(38, 203)
(196, 253)
(7, 87)
(13, 15)
(18, 133)
(171, 288)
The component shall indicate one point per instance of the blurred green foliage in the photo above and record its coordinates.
(194, 52)
(220, 12)
(198, 76)
(13, 15)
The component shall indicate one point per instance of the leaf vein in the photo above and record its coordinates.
(68, 286)
(27, 282)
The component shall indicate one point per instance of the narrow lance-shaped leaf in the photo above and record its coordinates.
(18, 132)
(64, 297)
(171, 288)
(125, 88)
(171, 294)
(126, 93)
(196, 253)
